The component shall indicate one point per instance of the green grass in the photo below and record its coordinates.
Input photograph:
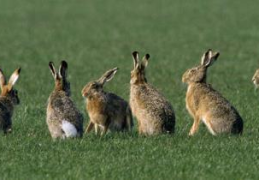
(96, 35)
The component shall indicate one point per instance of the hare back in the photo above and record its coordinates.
(213, 109)
(116, 105)
(117, 110)
(149, 106)
(61, 107)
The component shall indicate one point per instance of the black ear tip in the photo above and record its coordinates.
(19, 69)
(147, 56)
(64, 63)
(217, 54)
(50, 63)
(135, 53)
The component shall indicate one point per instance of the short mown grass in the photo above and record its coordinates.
(94, 36)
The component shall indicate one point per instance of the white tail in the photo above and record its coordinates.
(69, 129)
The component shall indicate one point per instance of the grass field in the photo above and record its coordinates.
(94, 36)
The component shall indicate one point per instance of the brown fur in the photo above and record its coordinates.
(107, 111)
(206, 104)
(8, 99)
(255, 78)
(154, 113)
(60, 106)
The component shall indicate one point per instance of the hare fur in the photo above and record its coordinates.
(106, 110)
(206, 104)
(154, 113)
(63, 118)
(8, 99)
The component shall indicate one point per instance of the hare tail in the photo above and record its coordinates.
(69, 129)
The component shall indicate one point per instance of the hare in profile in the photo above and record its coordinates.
(107, 111)
(153, 112)
(255, 78)
(8, 99)
(206, 104)
(63, 118)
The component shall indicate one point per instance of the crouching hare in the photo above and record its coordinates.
(8, 98)
(206, 104)
(154, 113)
(63, 118)
(107, 111)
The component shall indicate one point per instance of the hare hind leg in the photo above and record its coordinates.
(209, 125)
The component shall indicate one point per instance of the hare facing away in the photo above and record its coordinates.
(154, 113)
(206, 104)
(8, 98)
(63, 118)
(107, 111)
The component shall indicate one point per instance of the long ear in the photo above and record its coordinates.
(135, 59)
(2, 79)
(144, 62)
(63, 69)
(53, 70)
(14, 77)
(209, 58)
(108, 76)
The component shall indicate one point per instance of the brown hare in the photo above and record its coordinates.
(8, 98)
(206, 104)
(255, 78)
(154, 113)
(63, 118)
(107, 111)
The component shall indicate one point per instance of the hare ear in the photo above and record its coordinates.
(209, 58)
(145, 61)
(53, 70)
(2, 79)
(108, 76)
(14, 77)
(63, 69)
(135, 59)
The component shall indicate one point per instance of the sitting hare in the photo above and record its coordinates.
(8, 98)
(206, 104)
(153, 112)
(63, 118)
(107, 111)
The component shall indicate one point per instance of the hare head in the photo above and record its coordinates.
(7, 88)
(97, 86)
(61, 83)
(255, 78)
(138, 72)
(198, 74)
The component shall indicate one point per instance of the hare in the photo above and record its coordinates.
(206, 104)
(255, 78)
(8, 99)
(63, 118)
(154, 113)
(107, 111)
